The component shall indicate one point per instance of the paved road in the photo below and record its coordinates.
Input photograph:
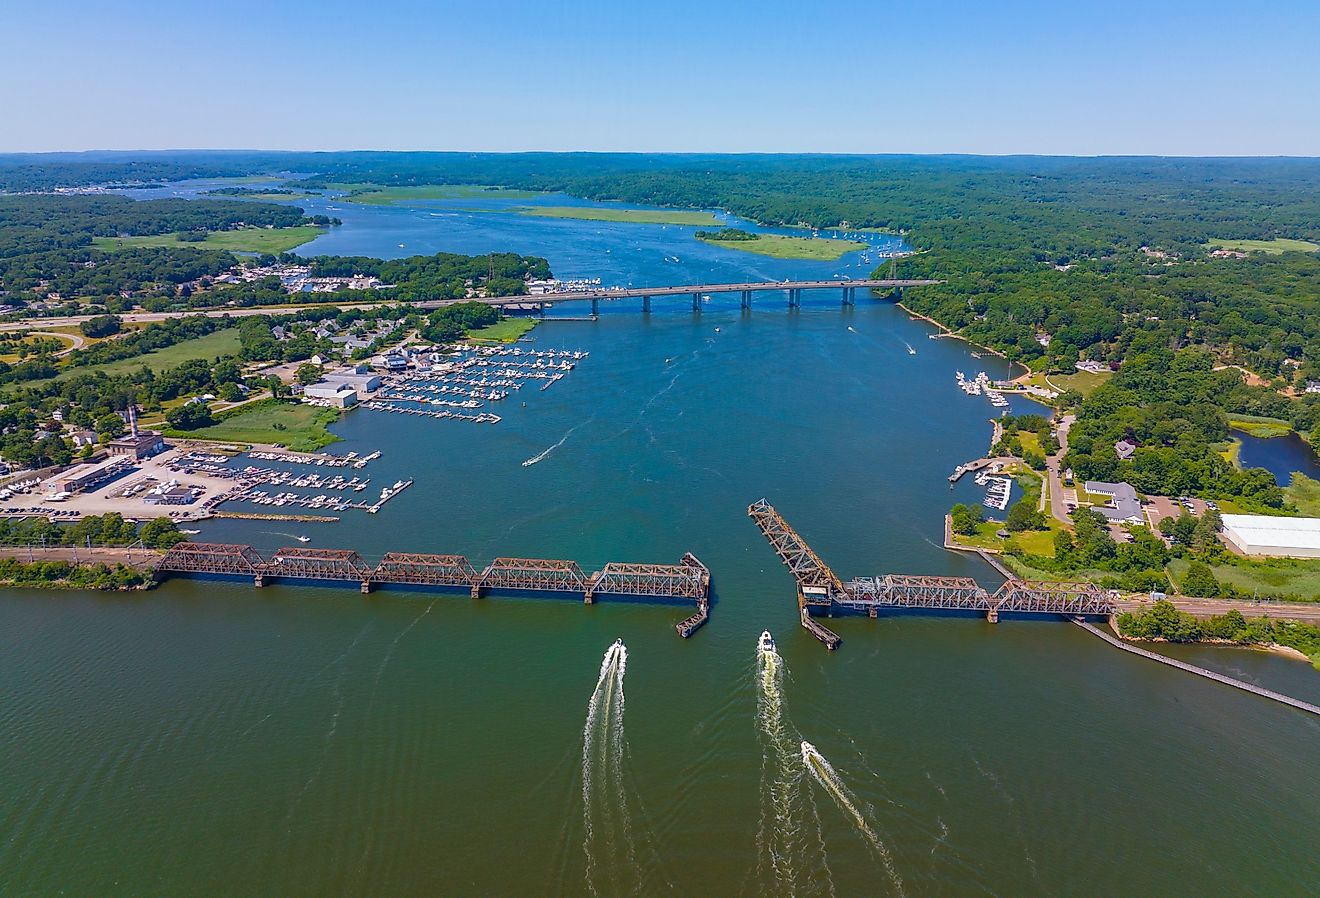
(586, 295)
(1053, 469)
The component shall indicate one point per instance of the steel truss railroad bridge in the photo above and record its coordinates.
(821, 591)
(689, 580)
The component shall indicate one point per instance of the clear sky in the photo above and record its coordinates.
(975, 76)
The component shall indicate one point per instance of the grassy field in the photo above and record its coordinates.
(241, 240)
(1273, 247)
(379, 195)
(301, 428)
(627, 216)
(1297, 576)
(1083, 382)
(1259, 426)
(778, 246)
(1304, 492)
(507, 330)
(213, 345)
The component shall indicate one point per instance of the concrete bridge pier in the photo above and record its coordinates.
(992, 615)
(746, 303)
(366, 587)
(258, 581)
(646, 305)
(476, 591)
(849, 296)
(587, 597)
(794, 298)
(540, 309)
(595, 306)
(696, 302)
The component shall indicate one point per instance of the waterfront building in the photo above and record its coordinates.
(1124, 505)
(137, 446)
(1256, 534)
(338, 395)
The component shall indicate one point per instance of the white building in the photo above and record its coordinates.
(1256, 534)
(332, 394)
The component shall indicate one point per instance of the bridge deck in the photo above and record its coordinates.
(690, 289)
(689, 580)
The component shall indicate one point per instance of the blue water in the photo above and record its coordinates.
(1281, 456)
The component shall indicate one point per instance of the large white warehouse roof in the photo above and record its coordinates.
(1256, 534)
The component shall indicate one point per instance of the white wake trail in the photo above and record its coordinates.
(608, 843)
(828, 778)
(540, 456)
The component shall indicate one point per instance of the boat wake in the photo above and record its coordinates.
(828, 778)
(543, 454)
(790, 845)
(611, 854)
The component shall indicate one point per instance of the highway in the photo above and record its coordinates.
(593, 296)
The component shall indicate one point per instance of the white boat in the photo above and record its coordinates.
(303, 539)
(810, 755)
(766, 644)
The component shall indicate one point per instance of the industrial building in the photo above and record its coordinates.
(1257, 534)
(137, 446)
(337, 395)
(81, 478)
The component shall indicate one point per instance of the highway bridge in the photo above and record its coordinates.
(847, 289)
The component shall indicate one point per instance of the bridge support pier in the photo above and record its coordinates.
(646, 305)
(476, 591)
(746, 300)
(366, 587)
(849, 296)
(595, 306)
(696, 302)
(992, 615)
(540, 309)
(258, 581)
(587, 597)
(794, 298)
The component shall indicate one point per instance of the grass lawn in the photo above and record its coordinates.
(11, 356)
(1260, 426)
(1083, 382)
(1304, 492)
(506, 330)
(1230, 452)
(1300, 576)
(780, 247)
(627, 216)
(380, 195)
(1273, 247)
(240, 240)
(212, 346)
(301, 428)
(1030, 442)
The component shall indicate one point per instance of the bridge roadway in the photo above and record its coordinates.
(689, 580)
(793, 288)
(820, 590)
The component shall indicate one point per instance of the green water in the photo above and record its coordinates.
(212, 739)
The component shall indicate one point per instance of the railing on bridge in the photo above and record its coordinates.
(689, 580)
(819, 589)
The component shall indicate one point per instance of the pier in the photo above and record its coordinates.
(687, 581)
(1200, 671)
(821, 591)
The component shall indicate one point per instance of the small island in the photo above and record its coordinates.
(779, 246)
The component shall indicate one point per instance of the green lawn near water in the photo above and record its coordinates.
(779, 246)
(1304, 492)
(506, 330)
(1260, 426)
(301, 428)
(626, 216)
(239, 240)
(1274, 247)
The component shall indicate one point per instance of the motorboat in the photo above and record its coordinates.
(766, 644)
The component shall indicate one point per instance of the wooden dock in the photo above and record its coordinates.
(1199, 671)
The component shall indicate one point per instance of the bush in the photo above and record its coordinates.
(101, 326)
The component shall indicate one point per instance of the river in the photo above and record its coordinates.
(209, 738)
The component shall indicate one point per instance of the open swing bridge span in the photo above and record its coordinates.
(687, 581)
(820, 591)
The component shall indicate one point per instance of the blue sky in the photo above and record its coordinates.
(1018, 76)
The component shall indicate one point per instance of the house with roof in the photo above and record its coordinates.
(1124, 449)
(1124, 506)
